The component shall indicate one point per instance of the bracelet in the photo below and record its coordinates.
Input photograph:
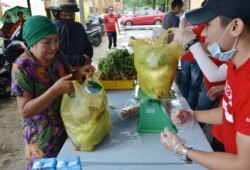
(184, 156)
(190, 43)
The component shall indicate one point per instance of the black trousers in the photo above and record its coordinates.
(112, 36)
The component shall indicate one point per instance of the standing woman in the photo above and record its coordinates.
(39, 79)
(110, 21)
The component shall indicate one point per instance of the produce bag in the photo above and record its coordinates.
(156, 65)
(85, 114)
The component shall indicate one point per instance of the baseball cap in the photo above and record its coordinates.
(213, 8)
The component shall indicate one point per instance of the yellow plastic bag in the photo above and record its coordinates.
(86, 116)
(156, 66)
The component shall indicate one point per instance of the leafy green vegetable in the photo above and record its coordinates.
(117, 65)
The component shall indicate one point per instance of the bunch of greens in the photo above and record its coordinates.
(117, 65)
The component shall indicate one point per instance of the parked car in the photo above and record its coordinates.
(143, 17)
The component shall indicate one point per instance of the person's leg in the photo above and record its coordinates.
(183, 79)
(110, 39)
(114, 38)
(195, 85)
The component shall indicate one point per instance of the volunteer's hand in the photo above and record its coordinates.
(215, 92)
(181, 116)
(183, 35)
(171, 141)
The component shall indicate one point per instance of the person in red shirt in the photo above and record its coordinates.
(8, 28)
(110, 21)
(21, 19)
(234, 115)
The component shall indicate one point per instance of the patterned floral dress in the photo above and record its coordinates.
(44, 133)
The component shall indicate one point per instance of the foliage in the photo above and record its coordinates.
(136, 4)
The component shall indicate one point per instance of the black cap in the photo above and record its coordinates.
(213, 8)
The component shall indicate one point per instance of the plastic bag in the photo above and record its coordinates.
(86, 116)
(156, 66)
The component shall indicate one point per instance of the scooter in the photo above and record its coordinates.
(94, 36)
(11, 49)
(96, 23)
(5, 77)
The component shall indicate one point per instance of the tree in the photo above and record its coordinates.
(132, 4)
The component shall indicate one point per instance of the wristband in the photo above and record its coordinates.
(190, 43)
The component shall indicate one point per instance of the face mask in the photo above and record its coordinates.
(215, 50)
(8, 20)
(111, 11)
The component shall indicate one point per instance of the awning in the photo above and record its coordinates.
(4, 4)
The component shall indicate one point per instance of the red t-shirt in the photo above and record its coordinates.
(109, 21)
(236, 105)
(188, 56)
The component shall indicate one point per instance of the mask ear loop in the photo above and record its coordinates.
(225, 32)
(235, 42)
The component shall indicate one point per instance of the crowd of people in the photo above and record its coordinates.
(60, 51)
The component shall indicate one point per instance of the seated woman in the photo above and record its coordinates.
(40, 76)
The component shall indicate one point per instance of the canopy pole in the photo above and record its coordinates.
(28, 2)
(82, 17)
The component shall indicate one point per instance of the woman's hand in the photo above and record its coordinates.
(63, 85)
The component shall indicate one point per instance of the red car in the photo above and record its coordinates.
(143, 17)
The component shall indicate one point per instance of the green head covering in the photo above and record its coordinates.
(36, 28)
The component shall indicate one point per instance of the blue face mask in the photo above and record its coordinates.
(216, 52)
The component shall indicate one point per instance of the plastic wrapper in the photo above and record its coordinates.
(156, 66)
(130, 110)
(180, 103)
(86, 116)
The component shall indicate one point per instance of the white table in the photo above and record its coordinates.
(125, 149)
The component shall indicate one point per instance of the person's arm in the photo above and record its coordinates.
(216, 91)
(212, 116)
(212, 72)
(29, 106)
(183, 22)
(225, 161)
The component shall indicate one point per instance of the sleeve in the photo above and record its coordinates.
(211, 71)
(75, 60)
(62, 58)
(21, 84)
(243, 108)
(87, 45)
(183, 21)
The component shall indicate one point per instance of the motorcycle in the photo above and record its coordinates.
(11, 49)
(5, 77)
(94, 35)
(94, 23)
